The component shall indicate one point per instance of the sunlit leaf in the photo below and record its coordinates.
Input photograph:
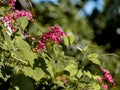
(1, 34)
(56, 49)
(36, 73)
(94, 58)
(71, 38)
(96, 86)
(72, 68)
(22, 22)
(2, 11)
(87, 73)
(8, 43)
(25, 50)
(79, 74)
(66, 41)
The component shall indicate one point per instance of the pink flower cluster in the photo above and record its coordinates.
(21, 13)
(107, 77)
(10, 18)
(55, 34)
(11, 3)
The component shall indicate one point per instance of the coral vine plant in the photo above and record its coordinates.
(40, 63)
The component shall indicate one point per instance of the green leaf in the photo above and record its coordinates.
(18, 55)
(22, 22)
(96, 77)
(16, 88)
(8, 43)
(2, 11)
(56, 49)
(50, 70)
(93, 57)
(72, 68)
(66, 41)
(36, 73)
(1, 34)
(56, 52)
(71, 38)
(87, 73)
(79, 73)
(1, 76)
(25, 50)
(22, 82)
(96, 86)
(85, 49)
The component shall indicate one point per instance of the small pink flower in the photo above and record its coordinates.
(57, 30)
(11, 3)
(28, 36)
(33, 39)
(41, 46)
(100, 79)
(105, 86)
(63, 79)
(109, 78)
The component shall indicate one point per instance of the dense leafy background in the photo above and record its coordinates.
(99, 28)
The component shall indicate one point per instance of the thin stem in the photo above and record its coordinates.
(111, 55)
(19, 59)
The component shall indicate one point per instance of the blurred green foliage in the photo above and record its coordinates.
(92, 30)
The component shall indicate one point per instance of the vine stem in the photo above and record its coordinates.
(19, 59)
(111, 55)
